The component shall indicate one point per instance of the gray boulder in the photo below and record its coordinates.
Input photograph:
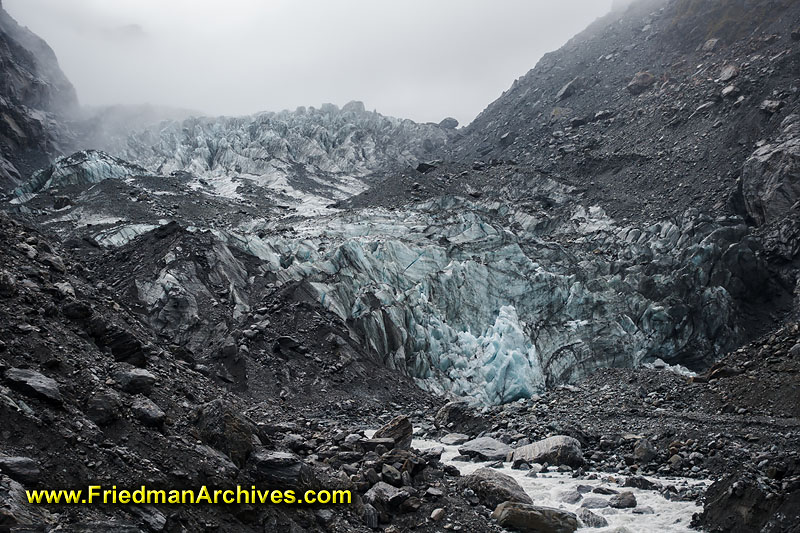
(534, 519)
(590, 519)
(493, 488)
(558, 450)
(281, 469)
(485, 449)
(623, 500)
(34, 384)
(136, 381)
(641, 82)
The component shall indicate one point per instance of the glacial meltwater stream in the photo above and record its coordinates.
(652, 514)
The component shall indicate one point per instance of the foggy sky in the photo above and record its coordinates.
(418, 59)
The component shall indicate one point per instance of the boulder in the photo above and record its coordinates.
(493, 488)
(399, 430)
(590, 519)
(281, 469)
(136, 381)
(639, 482)
(34, 384)
(558, 450)
(8, 284)
(623, 500)
(641, 82)
(103, 408)
(220, 426)
(568, 90)
(529, 518)
(382, 495)
(147, 412)
(460, 416)
(728, 72)
(448, 123)
(23, 469)
(644, 451)
(485, 449)
(454, 439)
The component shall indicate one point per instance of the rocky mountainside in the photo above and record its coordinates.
(607, 256)
(34, 95)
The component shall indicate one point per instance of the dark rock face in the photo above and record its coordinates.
(742, 504)
(771, 176)
(31, 84)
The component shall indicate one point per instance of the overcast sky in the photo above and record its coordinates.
(418, 59)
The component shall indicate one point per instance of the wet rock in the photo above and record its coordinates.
(399, 430)
(623, 500)
(222, 428)
(485, 449)
(557, 450)
(639, 482)
(590, 519)
(23, 469)
(34, 384)
(529, 518)
(493, 488)
(454, 439)
(594, 502)
(136, 381)
(371, 445)
(147, 412)
(641, 82)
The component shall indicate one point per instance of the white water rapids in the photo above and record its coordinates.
(547, 489)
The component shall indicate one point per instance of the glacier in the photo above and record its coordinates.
(487, 299)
